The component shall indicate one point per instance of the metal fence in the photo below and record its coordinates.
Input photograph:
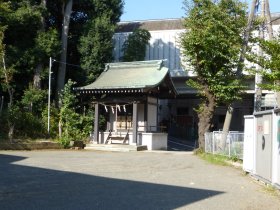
(228, 144)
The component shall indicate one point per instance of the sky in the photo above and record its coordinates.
(162, 9)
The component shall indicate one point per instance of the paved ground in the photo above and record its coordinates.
(175, 144)
(116, 180)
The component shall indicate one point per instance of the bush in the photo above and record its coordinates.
(74, 126)
(29, 126)
(26, 124)
(34, 100)
(54, 119)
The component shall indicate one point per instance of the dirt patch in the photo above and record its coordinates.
(29, 145)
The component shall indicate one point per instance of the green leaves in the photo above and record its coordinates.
(96, 46)
(134, 48)
(35, 100)
(270, 62)
(212, 44)
(74, 126)
(47, 43)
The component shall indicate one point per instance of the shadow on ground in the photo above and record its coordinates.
(24, 187)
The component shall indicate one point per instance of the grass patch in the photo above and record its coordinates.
(219, 159)
(215, 159)
(271, 190)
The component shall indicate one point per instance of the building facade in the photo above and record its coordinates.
(178, 114)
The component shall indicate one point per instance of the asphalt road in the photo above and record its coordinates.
(124, 180)
(175, 145)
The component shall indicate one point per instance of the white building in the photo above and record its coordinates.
(178, 113)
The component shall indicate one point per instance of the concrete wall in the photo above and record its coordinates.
(153, 141)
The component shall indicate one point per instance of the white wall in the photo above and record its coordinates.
(152, 114)
(141, 120)
(165, 44)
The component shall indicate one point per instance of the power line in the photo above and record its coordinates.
(68, 64)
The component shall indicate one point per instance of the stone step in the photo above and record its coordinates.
(115, 147)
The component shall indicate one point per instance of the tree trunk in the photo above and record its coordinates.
(7, 81)
(39, 67)
(64, 39)
(11, 131)
(37, 76)
(10, 90)
(205, 117)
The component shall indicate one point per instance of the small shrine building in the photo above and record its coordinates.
(129, 92)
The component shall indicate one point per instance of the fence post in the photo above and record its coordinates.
(228, 137)
(213, 143)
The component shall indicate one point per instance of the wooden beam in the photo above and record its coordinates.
(96, 123)
(135, 122)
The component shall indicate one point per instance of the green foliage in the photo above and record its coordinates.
(215, 159)
(270, 63)
(23, 23)
(96, 46)
(25, 124)
(134, 47)
(29, 126)
(47, 44)
(4, 12)
(212, 44)
(54, 120)
(111, 8)
(64, 141)
(95, 42)
(34, 100)
(74, 126)
(29, 33)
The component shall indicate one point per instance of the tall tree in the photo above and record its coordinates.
(96, 47)
(212, 44)
(134, 48)
(96, 43)
(23, 21)
(4, 11)
(66, 12)
(39, 67)
(19, 22)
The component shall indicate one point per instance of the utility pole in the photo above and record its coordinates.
(258, 77)
(49, 95)
(266, 20)
(265, 26)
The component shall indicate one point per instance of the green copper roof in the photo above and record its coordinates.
(140, 74)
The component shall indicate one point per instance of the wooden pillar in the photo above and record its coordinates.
(96, 123)
(146, 115)
(135, 123)
(157, 124)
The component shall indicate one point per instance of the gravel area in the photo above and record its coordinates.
(63, 179)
